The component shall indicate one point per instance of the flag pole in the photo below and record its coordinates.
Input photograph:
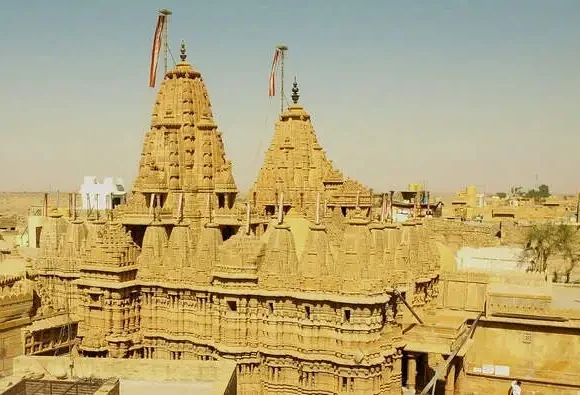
(282, 49)
(166, 13)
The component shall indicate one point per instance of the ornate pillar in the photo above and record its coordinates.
(117, 314)
(450, 380)
(411, 371)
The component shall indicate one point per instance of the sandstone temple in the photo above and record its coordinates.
(308, 284)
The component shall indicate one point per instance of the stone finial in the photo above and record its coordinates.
(318, 208)
(180, 208)
(248, 217)
(281, 209)
(183, 55)
(209, 208)
(383, 207)
(295, 90)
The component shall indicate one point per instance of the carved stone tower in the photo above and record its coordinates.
(183, 165)
(296, 165)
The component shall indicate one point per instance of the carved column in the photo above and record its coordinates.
(117, 314)
(411, 371)
(450, 380)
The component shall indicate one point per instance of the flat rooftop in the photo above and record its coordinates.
(135, 376)
(28, 386)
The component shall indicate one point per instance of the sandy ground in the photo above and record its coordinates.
(19, 202)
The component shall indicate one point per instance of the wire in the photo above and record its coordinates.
(171, 54)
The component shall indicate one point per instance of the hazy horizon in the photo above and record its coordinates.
(447, 94)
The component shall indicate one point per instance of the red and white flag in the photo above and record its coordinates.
(272, 90)
(157, 39)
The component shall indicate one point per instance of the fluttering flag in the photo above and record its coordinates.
(157, 39)
(272, 90)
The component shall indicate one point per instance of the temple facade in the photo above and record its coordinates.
(299, 286)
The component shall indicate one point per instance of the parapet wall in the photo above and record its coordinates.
(456, 234)
(513, 234)
(545, 360)
(221, 373)
(468, 290)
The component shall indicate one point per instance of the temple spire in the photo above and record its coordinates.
(183, 54)
(295, 90)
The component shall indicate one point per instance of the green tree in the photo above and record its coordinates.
(568, 245)
(501, 195)
(542, 192)
(545, 241)
(517, 191)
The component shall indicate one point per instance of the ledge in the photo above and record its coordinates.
(279, 293)
(525, 379)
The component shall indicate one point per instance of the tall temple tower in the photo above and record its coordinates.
(296, 166)
(183, 172)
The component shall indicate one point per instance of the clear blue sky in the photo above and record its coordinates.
(452, 92)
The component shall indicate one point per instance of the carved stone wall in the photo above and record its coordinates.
(460, 234)
(15, 307)
(280, 342)
(548, 355)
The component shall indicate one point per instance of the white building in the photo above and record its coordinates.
(480, 199)
(103, 196)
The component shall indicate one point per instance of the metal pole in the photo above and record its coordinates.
(165, 12)
(97, 205)
(248, 219)
(383, 207)
(45, 206)
(398, 293)
(282, 49)
(165, 44)
(391, 194)
(74, 205)
(578, 210)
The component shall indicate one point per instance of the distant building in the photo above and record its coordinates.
(105, 196)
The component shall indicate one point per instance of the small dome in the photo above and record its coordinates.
(154, 241)
(239, 257)
(280, 257)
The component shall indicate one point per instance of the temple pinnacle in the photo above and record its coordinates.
(183, 55)
(295, 95)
